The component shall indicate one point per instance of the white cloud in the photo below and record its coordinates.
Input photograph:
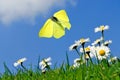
(12, 10)
(73, 2)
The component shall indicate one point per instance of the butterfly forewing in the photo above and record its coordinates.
(63, 19)
(61, 15)
(47, 29)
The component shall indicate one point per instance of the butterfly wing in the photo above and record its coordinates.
(63, 18)
(58, 30)
(61, 15)
(65, 24)
(47, 29)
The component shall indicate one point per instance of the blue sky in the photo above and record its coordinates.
(19, 28)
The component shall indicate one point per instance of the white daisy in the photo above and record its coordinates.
(82, 41)
(74, 46)
(106, 43)
(19, 61)
(101, 28)
(77, 62)
(76, 65)
(45, 63)
(48, 59)
(97, 41)
(113, 59)
(88, 50)
(102, 52)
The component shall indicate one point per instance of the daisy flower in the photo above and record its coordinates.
(102, 52)
(45, 64)
(113, 59)
(97, 41)
(77, 62)
(20, 61)
(101, 28)
(87, 50)
(82, 41)
(74, 46)
(88, 53)
(106, 43)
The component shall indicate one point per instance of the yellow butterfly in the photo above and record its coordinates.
(55, 26)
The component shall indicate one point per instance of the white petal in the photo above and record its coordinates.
(97, 29)
(72, 46)
(110, 41)
(77, 42)
(16, 64)
(106, 27)
(81, 50)
(21, 60)
(87, 40)
(76, 65)
(48, 59)
(49, 63)
(92, 55)
(76, 60)
(93, 44)
(43, 70)
(41, 63)
(43, 67)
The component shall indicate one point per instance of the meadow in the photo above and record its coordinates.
(94, 62)
(66, 72)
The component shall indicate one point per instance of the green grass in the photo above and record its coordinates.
(101, 71)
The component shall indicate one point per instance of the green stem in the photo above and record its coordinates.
(87, 61)
(77, 51)
(108, 63)
(103, 36)
(97, 57)
(83, 50)
(23, 67)
(99, 43)
(90, 58)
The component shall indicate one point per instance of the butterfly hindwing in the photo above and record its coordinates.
(47, 29)
(66, 24)
(58, 30)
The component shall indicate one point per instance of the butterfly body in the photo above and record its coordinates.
(55, 26)
(54, 19)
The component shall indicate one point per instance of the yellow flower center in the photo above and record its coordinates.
(19, 61)
(82, 40)
(97, 41)
(87, 49)
(102, 52)
(86, 56)
(101, 28)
